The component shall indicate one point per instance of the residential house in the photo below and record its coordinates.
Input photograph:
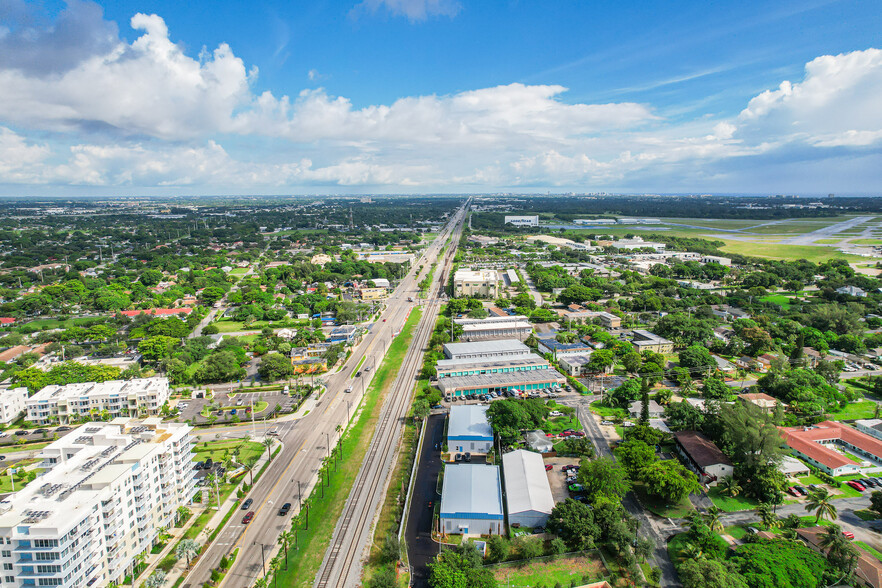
(703, 457)
(656, 411)
(869, 569)
(761, 400)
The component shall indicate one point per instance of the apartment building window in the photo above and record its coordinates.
(50, 581)
(10, 579)
(45, 542)
(6, 553)
(7, 566)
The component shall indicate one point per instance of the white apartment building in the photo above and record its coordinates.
(118, 397)
(107, 491)
(522, 221)
(475, 283)
(12, 404)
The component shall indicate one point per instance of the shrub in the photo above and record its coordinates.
(167, 563)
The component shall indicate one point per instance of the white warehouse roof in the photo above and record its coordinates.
(526, 483)
(471, 489)
(469, 422)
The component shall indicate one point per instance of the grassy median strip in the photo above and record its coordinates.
(304, 562)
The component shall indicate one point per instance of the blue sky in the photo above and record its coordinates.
(140, 97)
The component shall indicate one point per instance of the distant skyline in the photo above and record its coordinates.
(439, 96)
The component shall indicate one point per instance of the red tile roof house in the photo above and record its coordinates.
(815, 445)
(13, 352)
(703, 457)
(869, 568)
(761, 400)
(158, 311)
(6, 320)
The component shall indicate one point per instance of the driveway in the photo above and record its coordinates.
(421, 549)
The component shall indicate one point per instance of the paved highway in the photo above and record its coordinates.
(352, 536)
(305, 444)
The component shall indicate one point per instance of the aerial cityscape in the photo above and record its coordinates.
(440, 293)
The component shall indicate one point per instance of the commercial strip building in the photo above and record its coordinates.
(468, 430)
(372, 293)
(12, 404)
(527, 492)
(117, 397)
(524, 381)
(471, 500)
(107, 490)
(447, 368)
(822, 445)
(495, 328)
(558, 349)
(703, 457)
(508, 348)
(475, 283)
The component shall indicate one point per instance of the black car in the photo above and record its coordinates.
(198, 465)
(467, 457)
(247, 503)
(285, 508)
(207, 465)
(62, 428)
(357, 374)
(21, 432)
(801, 489)
(41, 431)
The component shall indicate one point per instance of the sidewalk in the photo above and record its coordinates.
(180, 567)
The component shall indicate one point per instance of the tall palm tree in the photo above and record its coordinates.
(274, 564)
(819, 500)
(187, 548)
(767, 515)
(284, 538)
(729, 487)
(260, 583)
(155, 580)
(841, 554)
(713, 519)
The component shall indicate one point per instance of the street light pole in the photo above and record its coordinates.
(262, 557)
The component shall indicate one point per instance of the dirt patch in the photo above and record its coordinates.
(548, 573)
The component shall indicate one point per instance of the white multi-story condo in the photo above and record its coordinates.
(475, 283)
(107, 490)
(12, 404)
(76, 401)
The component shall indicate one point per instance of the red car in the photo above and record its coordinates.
(247, 518)
(548, 467)
(794, 491)
(856, 485)
(848, 534)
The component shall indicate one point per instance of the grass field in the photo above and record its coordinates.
(659, 507)
(227, 326)
(779, 299)
(869, 549)
(862, 409)
(786, 252)
(239, 271)
(323, 513)
(866, 241)
(828, 241)
(567, 571)
(729, 503)
(216, 450)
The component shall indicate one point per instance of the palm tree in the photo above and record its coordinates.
(841, 554)
(274, 564)
(155, 580)
(260, 583)
(713, 519)
(768, 516)
(138, 562)
(187, 548)
(729, 487)
(284, 538)
(819, 501)
(691, 551)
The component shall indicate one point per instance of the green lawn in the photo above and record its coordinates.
(827, 241)
(606, 411)
(26, 447)
(866, 515)
(567, 571)
(866, 241)
(779, 299)
(324, 513)
(20, 482)
(248, 450)
(787, 252)
(729, 503)
(736, 531)
(862, 409)
(561, 423)
(869, 548)
(229, 326)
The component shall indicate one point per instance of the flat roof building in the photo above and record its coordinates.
(446, 368)
(647, 341)
(468, 430)
(815, 445)
(495, 328)
(519, 382)
(12, 404)
(522, 221)
(72, 402)
(471, 500)
(486, 350)
(527, 492)
(475, 283)
(107, 491)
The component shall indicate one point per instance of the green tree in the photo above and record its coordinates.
(708, 573)
(767, 515)
(876, 502)
(634, 455)
(632, 362)
(696, 358)
(222, 366)
(155, 580)
(275, 366)
(187, 548)
(779, 563)
(820, 501)
(460, 568)
(841, 554)
(604, 477)
(156, 348)
(670, 480)
(713, 519)
(715, 388)
(574, 523)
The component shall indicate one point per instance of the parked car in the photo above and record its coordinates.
(555, 413)
(548, 467)
(794, 491)
(467, 457)
(848, 535)
(576, 487)
(856, 486)
(247, 518)
(607, 423)
(21, 432)
(208, 464)
(285, 508)
(198, 465)
(538, 530)
(458, 457)
(41, 431)
(801, 489)
(247, 503)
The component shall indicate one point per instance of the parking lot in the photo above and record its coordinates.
(191, 408)
(559, 393)
(557, 479)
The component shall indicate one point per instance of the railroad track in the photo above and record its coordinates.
(349, 539)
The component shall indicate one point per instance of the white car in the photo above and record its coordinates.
(627, 424)
(607, 423)
(555, 413)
